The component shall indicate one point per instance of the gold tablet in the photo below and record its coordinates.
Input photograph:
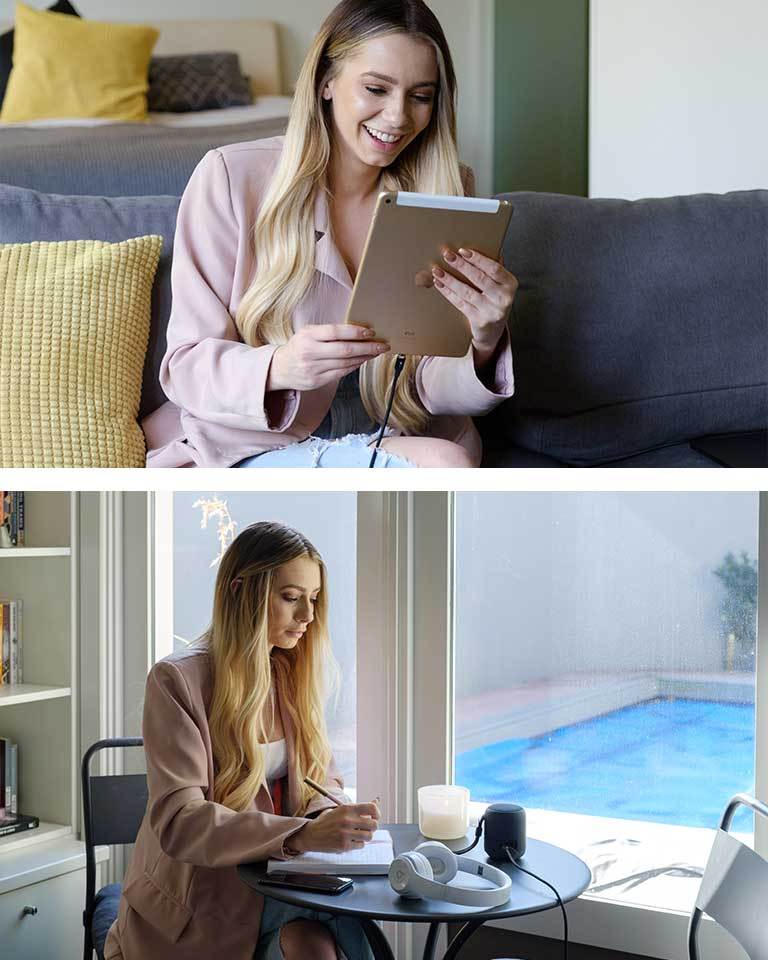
(394, 292)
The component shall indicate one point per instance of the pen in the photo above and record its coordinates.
(321, 789)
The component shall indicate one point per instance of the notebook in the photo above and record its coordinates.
(372, 859)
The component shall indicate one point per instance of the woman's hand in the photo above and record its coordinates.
(338, 829)
(487, 309)
(321, 353)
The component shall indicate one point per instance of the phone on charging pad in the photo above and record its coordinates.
(315, 883)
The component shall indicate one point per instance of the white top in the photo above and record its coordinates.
(276, 759)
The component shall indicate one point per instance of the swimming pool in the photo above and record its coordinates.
(667, 761)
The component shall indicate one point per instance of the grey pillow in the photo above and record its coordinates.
(638, 324)
(197, 81)
(26, 215)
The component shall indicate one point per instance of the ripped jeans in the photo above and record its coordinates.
(350, 451)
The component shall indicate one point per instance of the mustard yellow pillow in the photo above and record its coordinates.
(67, 67)
(74, 326)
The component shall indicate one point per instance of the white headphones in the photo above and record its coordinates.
(426, 871)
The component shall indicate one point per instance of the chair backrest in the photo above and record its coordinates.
(113, 808)
(734, 888)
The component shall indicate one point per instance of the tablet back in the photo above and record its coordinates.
(394, 291)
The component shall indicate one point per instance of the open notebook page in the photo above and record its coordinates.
(374, 858)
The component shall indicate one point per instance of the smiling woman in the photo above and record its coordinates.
(259, 366)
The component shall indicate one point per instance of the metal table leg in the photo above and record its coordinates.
(429, 946)
(461, 938)
(376, 940)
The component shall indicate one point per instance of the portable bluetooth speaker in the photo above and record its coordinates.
(504, 828)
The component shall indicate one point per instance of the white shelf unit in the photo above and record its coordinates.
(41, 713)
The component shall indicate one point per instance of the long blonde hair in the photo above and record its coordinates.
(283, 234)
(244, 669)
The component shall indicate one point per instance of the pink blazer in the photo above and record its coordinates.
(220, 411)
(182, 898)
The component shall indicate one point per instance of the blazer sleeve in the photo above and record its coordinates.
(207, 370)
(189, 827)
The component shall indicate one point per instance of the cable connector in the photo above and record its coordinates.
(399, 364)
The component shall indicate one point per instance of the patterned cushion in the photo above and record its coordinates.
(74, 324)
(6, 44)
(197, 81)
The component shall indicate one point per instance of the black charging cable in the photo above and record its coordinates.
(478, 831)
(399, 364)
(559, 900)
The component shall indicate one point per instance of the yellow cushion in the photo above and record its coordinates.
(67, 67)
(74, 326)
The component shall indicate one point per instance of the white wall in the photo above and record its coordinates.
(677, 97)
(468, 26)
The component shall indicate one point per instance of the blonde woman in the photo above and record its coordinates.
(260, 368)
(232, 725)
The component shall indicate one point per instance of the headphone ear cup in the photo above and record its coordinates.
(441, 860)
(405, 869)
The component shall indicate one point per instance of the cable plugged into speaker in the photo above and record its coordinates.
(428, 870)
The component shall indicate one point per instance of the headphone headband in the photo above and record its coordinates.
(411, 876)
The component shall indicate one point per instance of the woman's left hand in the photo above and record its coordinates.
(486, 308)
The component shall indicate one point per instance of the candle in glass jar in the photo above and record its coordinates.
(443, 811)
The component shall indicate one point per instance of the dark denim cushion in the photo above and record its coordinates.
(26, 215)
(638, 324)
(104, 915)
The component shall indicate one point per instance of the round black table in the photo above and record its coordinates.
(372, 898)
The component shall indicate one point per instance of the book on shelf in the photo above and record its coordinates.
(18, 824)
(11, 670)
(9, 780)
(11, 518)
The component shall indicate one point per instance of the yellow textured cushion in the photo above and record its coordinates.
(74, 326)
(67, 67)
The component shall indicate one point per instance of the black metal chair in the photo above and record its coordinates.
(734, 888)
(113, 808)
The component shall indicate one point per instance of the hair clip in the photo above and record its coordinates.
(234, 584)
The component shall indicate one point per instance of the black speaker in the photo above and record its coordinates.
(504, 827)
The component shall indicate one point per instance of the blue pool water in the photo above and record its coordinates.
(668, 761)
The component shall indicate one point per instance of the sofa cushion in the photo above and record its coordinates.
(637, 324)
(27, 215)
(74, 325)
(64, 66)
(6, 44)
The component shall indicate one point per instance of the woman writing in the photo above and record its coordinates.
(260, 368)
(232, 725)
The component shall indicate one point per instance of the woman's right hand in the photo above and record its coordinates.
(321, 353)
(338, 829)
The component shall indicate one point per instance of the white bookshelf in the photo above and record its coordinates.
(40, 714)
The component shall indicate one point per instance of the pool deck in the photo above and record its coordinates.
(534, 709)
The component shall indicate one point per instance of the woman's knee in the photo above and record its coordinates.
(300, 939)
(431, 452)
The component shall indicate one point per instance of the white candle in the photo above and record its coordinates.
(443, 811)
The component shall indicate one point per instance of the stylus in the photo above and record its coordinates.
(399, 364)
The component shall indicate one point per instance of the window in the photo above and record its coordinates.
(605, 669)
(204, 523)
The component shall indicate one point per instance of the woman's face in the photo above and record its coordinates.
(399, 101)
(295, 587)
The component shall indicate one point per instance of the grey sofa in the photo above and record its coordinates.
(637, 327)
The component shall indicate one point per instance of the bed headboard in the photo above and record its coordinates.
(255, 40)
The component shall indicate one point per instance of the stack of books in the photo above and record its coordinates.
(10, 642)
(11, 821)
(11, 518)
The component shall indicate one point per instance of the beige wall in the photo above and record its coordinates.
(467, 25)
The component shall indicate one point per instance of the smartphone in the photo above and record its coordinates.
(316, 883)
